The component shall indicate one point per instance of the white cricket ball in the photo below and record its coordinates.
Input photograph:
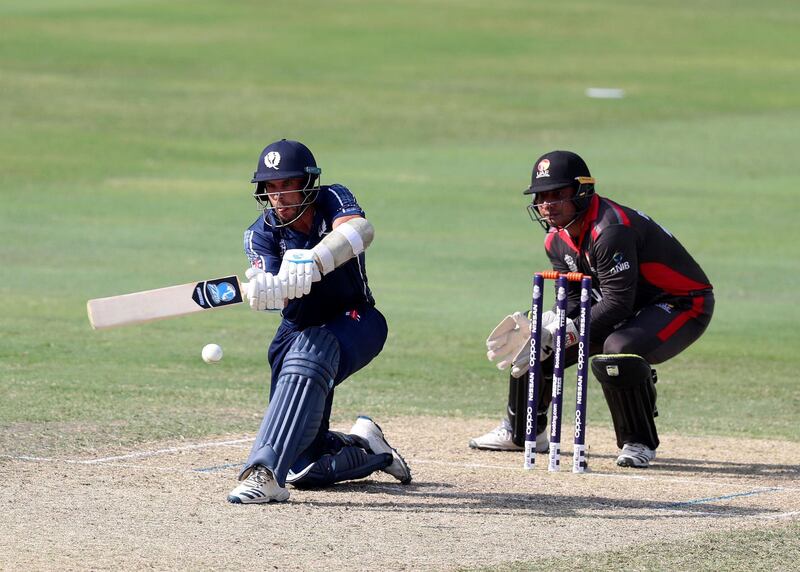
(211, 353)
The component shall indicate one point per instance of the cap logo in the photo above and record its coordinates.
(272, 160)
(543, 168)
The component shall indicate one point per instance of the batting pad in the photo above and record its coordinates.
(351, 462)
(627, 384)
(295, 411)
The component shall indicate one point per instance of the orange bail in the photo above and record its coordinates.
(555, 274)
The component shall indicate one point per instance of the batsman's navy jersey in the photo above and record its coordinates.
(343, 289)
(633, 262)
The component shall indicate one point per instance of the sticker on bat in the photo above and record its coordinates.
(216, 293)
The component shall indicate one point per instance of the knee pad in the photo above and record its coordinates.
(349, 463)
(314, 355)
(629, 390)
(296, 407)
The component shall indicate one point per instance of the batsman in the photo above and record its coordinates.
(650, 301)
(306, 251)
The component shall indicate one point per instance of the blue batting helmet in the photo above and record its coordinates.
(286, 159)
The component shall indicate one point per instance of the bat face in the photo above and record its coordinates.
(150, 305)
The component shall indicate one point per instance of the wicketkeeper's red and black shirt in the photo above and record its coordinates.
(634, 262)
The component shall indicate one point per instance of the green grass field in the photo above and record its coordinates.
(130, 131)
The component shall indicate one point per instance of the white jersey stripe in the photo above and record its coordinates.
(338, 198)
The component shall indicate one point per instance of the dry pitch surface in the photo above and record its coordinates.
(163, 506)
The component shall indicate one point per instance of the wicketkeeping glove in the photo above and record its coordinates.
(549, 327)
(263, 290)
(509, 344)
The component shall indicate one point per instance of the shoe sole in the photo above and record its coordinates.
(237, 500)
(374, 430)
(256, 496)
(631, 463)
(474, 445)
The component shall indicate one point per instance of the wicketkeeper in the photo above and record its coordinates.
(306, 252)
(651, 300)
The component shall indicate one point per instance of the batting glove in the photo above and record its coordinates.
(298, 271)
(264, 290)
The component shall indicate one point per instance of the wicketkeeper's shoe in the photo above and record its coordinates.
(260, 486)
(543, 442)
(636, 455)
(499, 439)
(370, 431)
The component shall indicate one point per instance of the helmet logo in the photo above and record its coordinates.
(543, 168)
(272, 160)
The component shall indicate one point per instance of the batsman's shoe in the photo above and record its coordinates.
(636, 455)
(367, 429)
(499, 439)
(260, 486)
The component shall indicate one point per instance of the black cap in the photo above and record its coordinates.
(555, 170)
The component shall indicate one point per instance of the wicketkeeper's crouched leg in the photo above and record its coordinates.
(629, 388)
(517, 408)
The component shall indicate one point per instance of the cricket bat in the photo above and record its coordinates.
(170, 302)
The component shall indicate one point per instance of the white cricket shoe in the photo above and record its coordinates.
(636, 455)
(499, 439)
(260, 486)
(370, 431)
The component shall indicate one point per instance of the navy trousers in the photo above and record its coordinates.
(361, 333)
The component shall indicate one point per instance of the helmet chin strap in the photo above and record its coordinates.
(569, 224)
(578, 215)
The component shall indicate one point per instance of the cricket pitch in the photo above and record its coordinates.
(163, 506)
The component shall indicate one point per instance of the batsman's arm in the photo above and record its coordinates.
(350, 236)
(262, 251)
